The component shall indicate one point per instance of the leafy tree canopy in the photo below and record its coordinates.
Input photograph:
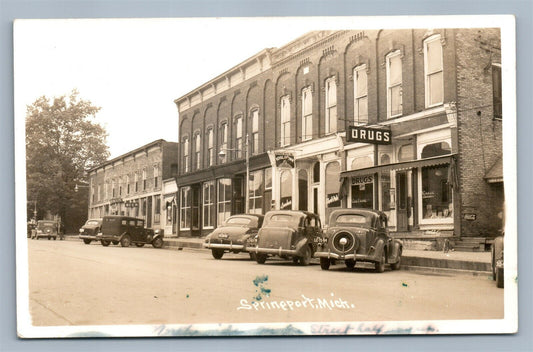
(62, 142)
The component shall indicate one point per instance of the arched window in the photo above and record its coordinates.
(255, 131)
(331, 105)
(210, 148)
(362, 162)
(384, 160)
(307, 114)
(437, 200)
(333, 184)
(436, 149)
(186, 154)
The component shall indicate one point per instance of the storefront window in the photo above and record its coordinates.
(224, 199)
(436, 191)
(209, 204)
(185, 208)
(302, 190)
(286, 190)
(333, 185)
(256, 188)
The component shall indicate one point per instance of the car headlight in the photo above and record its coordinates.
(81, 230)
(156, 232)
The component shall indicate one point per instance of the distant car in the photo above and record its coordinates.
(235, 235)
(497, 261)
(126, 231)
(89, 230)
(359, 235)
(288, 234)
(46, 228)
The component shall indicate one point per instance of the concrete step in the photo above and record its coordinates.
(468, 248)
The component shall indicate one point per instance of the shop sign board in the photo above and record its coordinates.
(368, 135)
(285, 160)
(333, 200)
(361, 180)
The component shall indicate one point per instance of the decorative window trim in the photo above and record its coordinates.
(306, 137)
(357, 119)
(426, 41)
(391, 55)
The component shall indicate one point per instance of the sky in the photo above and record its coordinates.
(134, 69)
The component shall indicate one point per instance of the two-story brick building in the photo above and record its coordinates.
(436, 94)
(132, 184)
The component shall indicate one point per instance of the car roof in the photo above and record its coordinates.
(260, 216)
(121, 217)
(361, 211)
(292, 212)
(43, 221)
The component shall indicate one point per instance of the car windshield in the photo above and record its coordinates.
(355, 219)
(92, 222)
(238, 221)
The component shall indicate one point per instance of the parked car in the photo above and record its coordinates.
(128, 230)
(359, 235)
(497, 261)
(235, 235)
(89, 230)
(288, 234)
(46, 228)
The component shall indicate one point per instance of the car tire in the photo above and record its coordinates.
(105, 243)
(325, 263)
(260, 258)
(306, 258)
(125, 241)
(396, 266)
(48, 238)
(157, 242)
(55, 238)
(115, 242)
(379, 267)
(86, 241)
(499, 277)
(139, 244)
(252, 256)
(350, 263)
(217, 253)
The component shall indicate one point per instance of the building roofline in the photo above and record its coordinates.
(132, 152)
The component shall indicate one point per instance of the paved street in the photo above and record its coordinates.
(76, 284)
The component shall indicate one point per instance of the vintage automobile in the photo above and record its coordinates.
(359, 235)
(234, 235)
(46, 228)
(128, 230)
(89, 230)
(288, 234)
(497, 261)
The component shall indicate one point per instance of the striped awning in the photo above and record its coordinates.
(405, 165)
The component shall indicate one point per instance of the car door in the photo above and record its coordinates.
(139, 231)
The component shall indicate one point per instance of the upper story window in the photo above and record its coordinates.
(156, 176)
(113, 188)
(210, 148)
(238, 137)
(497, 90)
(255, 131)
(285, 120)
(224, 139)
(197, 147)
(331, 105)
(128, 184)
(186, 154)
(433, 71)
(307, 114)
(360, 111)
(99, 193)
(394, 84)
(144, 180)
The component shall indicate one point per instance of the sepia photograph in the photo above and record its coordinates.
(265, 176)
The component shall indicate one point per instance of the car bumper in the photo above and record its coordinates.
(229, 246)
(351, 256)
(42, 234)
(101, 237)
(87, 237)
(279, 251)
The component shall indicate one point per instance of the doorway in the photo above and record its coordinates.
(402, 201)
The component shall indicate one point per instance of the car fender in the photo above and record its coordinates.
(379, 246)
(156, 235)
(301, 244)
(396, 247)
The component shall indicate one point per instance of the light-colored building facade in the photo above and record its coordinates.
(132, 184)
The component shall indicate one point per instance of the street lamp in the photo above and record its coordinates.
(222, 154)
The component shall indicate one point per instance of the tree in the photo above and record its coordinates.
(62, 142)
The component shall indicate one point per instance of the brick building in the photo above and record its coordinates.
(288, 118)
(132, 184)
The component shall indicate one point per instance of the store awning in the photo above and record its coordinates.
(405, 165)
(495, 173)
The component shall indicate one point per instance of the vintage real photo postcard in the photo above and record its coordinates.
(265, 176)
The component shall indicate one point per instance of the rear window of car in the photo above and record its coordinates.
(352, 219)
(239, 221)
(281, 218)
(92, 222)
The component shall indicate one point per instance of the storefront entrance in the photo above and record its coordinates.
(402, 215)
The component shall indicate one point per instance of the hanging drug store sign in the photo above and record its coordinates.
(368, 135)
(285, 160)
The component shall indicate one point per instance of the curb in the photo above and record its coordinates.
(437, 271)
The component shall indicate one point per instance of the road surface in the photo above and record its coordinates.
(71, 283)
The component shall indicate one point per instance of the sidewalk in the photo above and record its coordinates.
(471, 263)
(475, 263)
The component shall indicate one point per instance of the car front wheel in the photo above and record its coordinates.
(252, 256)
(306, 257)
(380, 266)
(125, 241)
(157, 243)
(217, 253)
(86, 241)
(325, 263)
(105, 243)
(396, 266)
